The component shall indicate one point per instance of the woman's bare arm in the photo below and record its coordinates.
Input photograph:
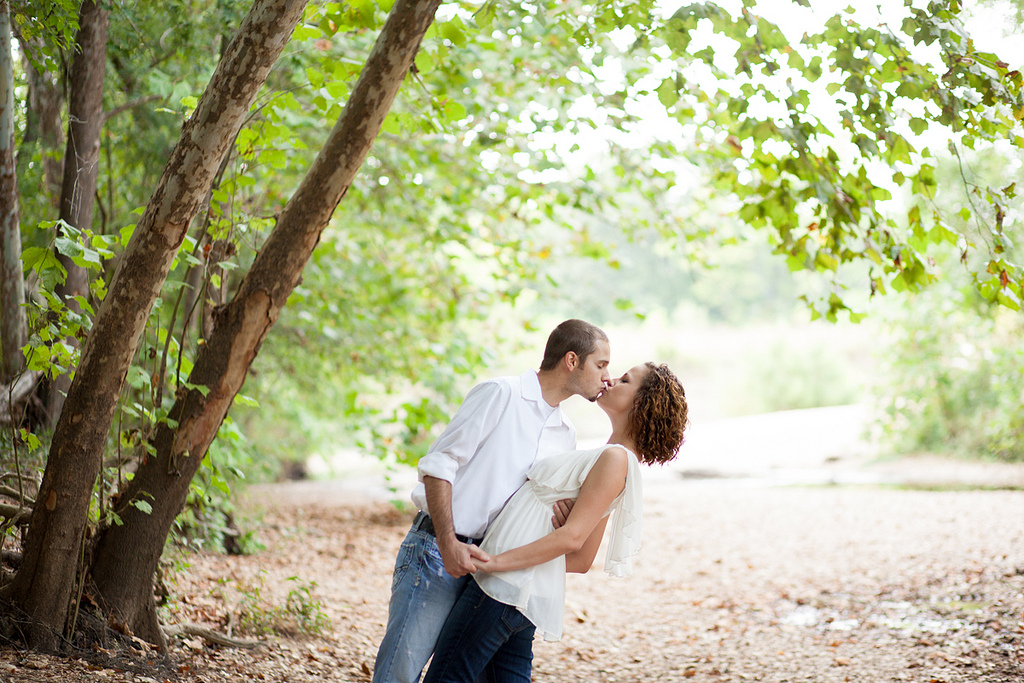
(582, 560)
(605, 481)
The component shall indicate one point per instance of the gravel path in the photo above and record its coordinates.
(737, 581)
(807, 584)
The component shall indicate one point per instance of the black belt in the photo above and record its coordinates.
(424, 523)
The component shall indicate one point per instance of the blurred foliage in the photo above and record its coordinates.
(789, 375)
(736, 281)
(815, 137)
(952, 367)
(953, 381)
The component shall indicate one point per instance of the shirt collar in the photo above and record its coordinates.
(531, 391)
(530, 386)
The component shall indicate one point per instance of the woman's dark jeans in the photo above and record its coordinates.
(483, 636)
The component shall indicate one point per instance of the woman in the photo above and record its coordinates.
(521, 588)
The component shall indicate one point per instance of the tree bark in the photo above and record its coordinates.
(13, 325)
(126, 585)
(81, 161)
(43, 585)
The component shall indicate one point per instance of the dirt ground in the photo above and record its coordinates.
(738, 580)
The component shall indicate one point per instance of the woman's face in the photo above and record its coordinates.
(618, 397)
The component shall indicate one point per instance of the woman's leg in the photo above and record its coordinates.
(513, 662)
(477, 627)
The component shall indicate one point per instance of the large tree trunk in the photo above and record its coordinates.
(81, 161)
(13, 326)
(126, 556)
(43, 584)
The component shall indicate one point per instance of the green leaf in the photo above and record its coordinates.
(144, 506)
(424, 61)
(315, 76)
(453, 31)
(305, 33)
(668, 93)
(201, 388)
(336, 89)
(126, 234)
(30, 439)
(45, 264)
(220, 484)
(453, 111)
(138, 378)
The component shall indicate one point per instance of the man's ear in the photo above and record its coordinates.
(571, 361)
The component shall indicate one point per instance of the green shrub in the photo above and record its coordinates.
(954, 378)
(301, 613)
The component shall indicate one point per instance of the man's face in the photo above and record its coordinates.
(590, 377)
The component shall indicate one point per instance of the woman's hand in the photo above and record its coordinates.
(486, 563)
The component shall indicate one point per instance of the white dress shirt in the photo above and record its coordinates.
(503, 426)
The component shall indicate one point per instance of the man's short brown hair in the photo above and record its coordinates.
(577, 336)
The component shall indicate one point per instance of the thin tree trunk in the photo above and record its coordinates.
(81, 161)
(43, 584)
(43, 127)
(240, 327)
(13, 326)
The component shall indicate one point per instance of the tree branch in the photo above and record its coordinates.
(16, 392)
(18, 515)
(215, 637)
(128, 105)
(15, 494)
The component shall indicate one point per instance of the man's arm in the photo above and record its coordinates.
(457, 556)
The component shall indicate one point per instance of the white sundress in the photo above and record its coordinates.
(539, 592)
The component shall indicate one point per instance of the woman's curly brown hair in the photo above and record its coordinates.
(658, 418)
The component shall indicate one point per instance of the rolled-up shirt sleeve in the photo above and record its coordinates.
(469, 427)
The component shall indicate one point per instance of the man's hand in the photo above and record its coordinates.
(458, 557)
(562, 509)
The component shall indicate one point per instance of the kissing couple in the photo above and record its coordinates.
(507, 506)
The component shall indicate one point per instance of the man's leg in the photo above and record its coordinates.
(422, 595)
(477, 628)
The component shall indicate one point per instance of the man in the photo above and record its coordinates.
(503, 426)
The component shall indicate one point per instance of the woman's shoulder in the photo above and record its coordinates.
(579, 461)
(617, 452)
(615, 456)
(609, 451)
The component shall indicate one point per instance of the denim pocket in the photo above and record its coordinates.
(403, 562)
(514, 620)
(433, 564)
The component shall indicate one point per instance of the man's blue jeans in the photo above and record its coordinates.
(483, 636)
(422, 595)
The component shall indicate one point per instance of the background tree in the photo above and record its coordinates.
(81, 163)
(13, 331)
(44, 583)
